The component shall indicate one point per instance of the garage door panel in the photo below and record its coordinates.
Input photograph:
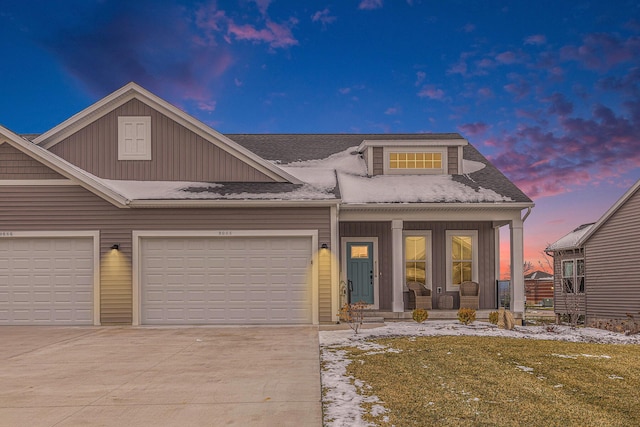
(246, 280)
(46, 281)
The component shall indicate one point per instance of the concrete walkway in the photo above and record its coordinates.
(123, 376)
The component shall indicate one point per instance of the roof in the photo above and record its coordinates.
(294, 152)
(578, 237)
(539, 275)
(571, 240)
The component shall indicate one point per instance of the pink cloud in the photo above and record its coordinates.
(431, 92)
(485, 92)
(370, 4)
(473, 129)
(275, 35)
(507, 57)
(469, 28)
(536, 39)
(602, 52)
(324, 17)
(391, 111)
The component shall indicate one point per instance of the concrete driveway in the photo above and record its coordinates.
(124, 376)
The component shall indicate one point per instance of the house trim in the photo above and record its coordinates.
(95, 235)
(474, 254)
(36, 182)
(412, 143)
(136, 255)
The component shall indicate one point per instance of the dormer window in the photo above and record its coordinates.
(134, 138)
(415, 161)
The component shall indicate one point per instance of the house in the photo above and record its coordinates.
(597, 265)
(134, 212)
(538, 288)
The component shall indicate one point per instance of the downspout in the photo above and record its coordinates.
(527, 214)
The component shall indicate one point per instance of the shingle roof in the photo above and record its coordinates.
(288, 148)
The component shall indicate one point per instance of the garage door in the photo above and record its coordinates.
(46, 281)
(221, 280)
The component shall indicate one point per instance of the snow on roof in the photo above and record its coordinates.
(570, 240)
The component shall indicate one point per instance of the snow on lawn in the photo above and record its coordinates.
(342, 400)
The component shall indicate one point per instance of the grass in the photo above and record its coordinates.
(487, 381)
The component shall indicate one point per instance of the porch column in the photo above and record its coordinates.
(398, 268)
(517, 263)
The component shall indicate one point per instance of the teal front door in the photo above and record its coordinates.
(360, 271)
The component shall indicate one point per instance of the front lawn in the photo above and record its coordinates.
(497, 381)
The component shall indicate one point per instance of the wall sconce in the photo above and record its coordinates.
(324, 246)
(116, 247)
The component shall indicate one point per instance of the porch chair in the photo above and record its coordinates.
(419, 294)
(469, 295)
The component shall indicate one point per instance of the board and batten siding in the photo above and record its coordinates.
(486, 257)
(14, 164)
(177, 154)
(382, 230)
(612, 264)
(33, 208)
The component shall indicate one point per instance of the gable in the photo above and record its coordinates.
(16, 165)
(619, 229)
(177, 153)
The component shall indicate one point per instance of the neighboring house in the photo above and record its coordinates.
(538, 288)
(597, 266)
(134, 212)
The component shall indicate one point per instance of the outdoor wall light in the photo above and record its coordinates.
(324, 246)
(116, 247)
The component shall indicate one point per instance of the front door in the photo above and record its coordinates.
(360, 271)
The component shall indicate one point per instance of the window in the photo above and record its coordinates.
(415, 259)
(134, 138)
(415, 160)
(462, 258)
(412, 160)
(573, 276)
(359, 251)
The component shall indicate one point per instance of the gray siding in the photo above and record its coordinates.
(452, 160)
(486, 257)
(612, 264)
(177, 153)
(382, 230)
(378, 160)
(73, 208)
(14, 164)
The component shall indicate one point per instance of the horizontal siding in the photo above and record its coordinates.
(73, 208)
(378, 160)
(14, 164)
(452, 160)
(177, 153)
(612, 262)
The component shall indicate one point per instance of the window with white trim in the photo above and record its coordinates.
(462, 257)
(417, 258)
(134, 138)
(404, 160)
(573, 276)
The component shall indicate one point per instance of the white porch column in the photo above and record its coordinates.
(517, 263)
(398, 268)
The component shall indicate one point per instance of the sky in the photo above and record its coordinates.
(549, 91)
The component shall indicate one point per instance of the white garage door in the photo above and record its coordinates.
(225, 280)
(46, 281)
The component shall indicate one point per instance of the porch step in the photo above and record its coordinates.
(373, 319)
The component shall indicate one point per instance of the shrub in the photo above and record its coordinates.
(493, 317)
(353, 315)
(420, 315)
(466, 315)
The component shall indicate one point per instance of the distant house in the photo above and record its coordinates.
(134, 212)
(538, 288)
(597, 266)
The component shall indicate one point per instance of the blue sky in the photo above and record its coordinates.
(548, 90)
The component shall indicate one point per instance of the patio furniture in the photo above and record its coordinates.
(445, 302)
(419, 296)
(469, 295)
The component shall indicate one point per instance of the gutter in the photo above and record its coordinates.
(199, 203)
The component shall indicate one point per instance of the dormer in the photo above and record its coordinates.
(433, 155)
